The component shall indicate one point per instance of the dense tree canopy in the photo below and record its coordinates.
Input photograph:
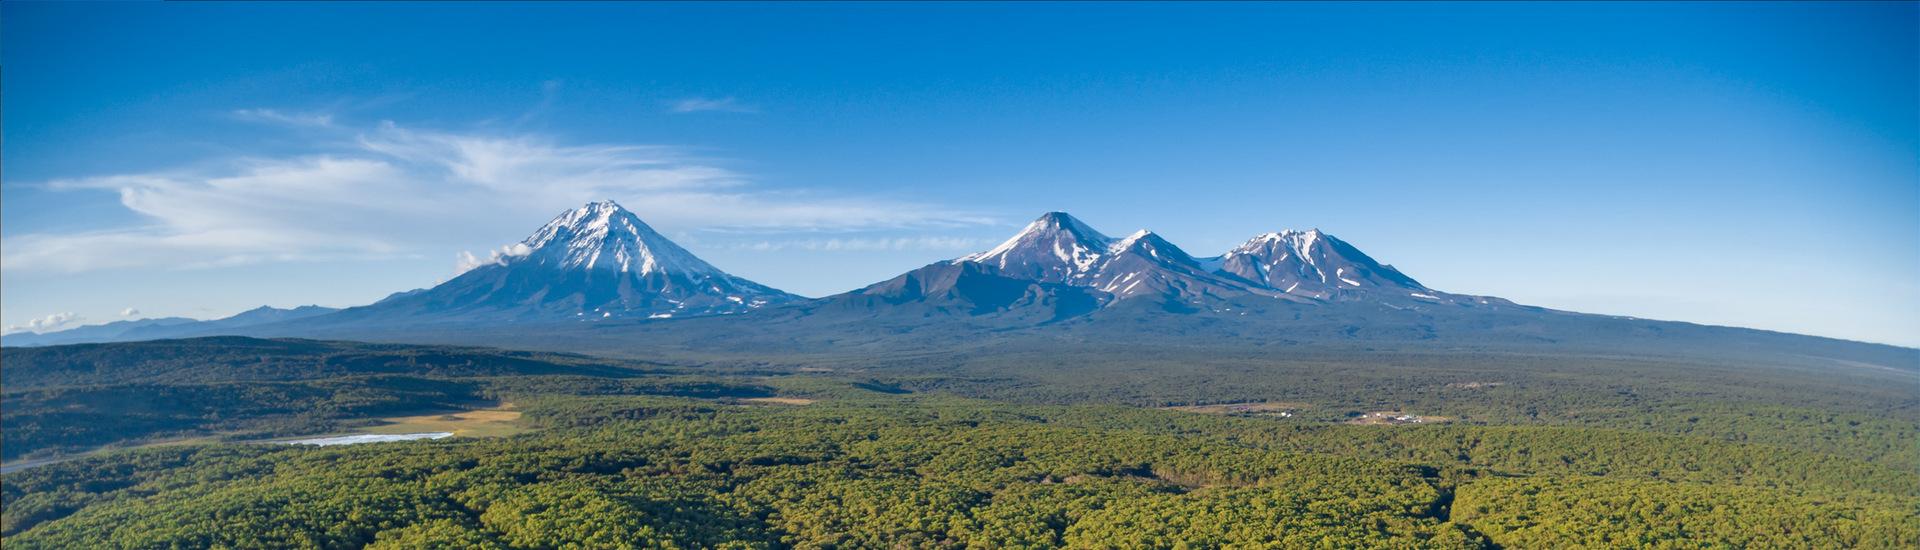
(660, 457)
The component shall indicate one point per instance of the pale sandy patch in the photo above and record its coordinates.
(780, 400)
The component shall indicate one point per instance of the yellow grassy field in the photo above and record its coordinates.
(1241, 408)
(780, 400)
(493, 422)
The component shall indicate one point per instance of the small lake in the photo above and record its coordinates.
(366, 438)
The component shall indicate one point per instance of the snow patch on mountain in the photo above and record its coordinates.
(1290, 259)
(605, 236)
(1054, 248)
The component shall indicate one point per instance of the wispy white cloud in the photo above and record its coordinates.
(129, 312)
(52, 322)
(465, 261)
(272, 116)
(709, 104)
(529, 163)
(402, 192)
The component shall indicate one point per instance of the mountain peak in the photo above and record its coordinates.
(1145, 242)
(1304, 239)
(1311, 262)
(1062, 221)
(606, 236)
(606, 208)
(1054, 248)
(1058, 249)
(597, 261)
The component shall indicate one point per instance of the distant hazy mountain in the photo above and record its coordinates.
(598, 261)
(165, 327)
(107, 332)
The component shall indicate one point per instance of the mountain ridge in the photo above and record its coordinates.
(1058, 278)
(1058, 251)
(164, 327)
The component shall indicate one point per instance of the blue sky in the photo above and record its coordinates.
(1740, 164)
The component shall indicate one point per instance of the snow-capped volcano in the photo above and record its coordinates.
(1056, 248)
(604, 236)
(1060, 267)
(596, 261)
(1062, 263)
(1310, 263)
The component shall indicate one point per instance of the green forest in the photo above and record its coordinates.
(645, 455)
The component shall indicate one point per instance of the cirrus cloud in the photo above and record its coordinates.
(390, 191)
(709, 104)
(273, 116)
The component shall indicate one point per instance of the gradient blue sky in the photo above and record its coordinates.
(1740, 164)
